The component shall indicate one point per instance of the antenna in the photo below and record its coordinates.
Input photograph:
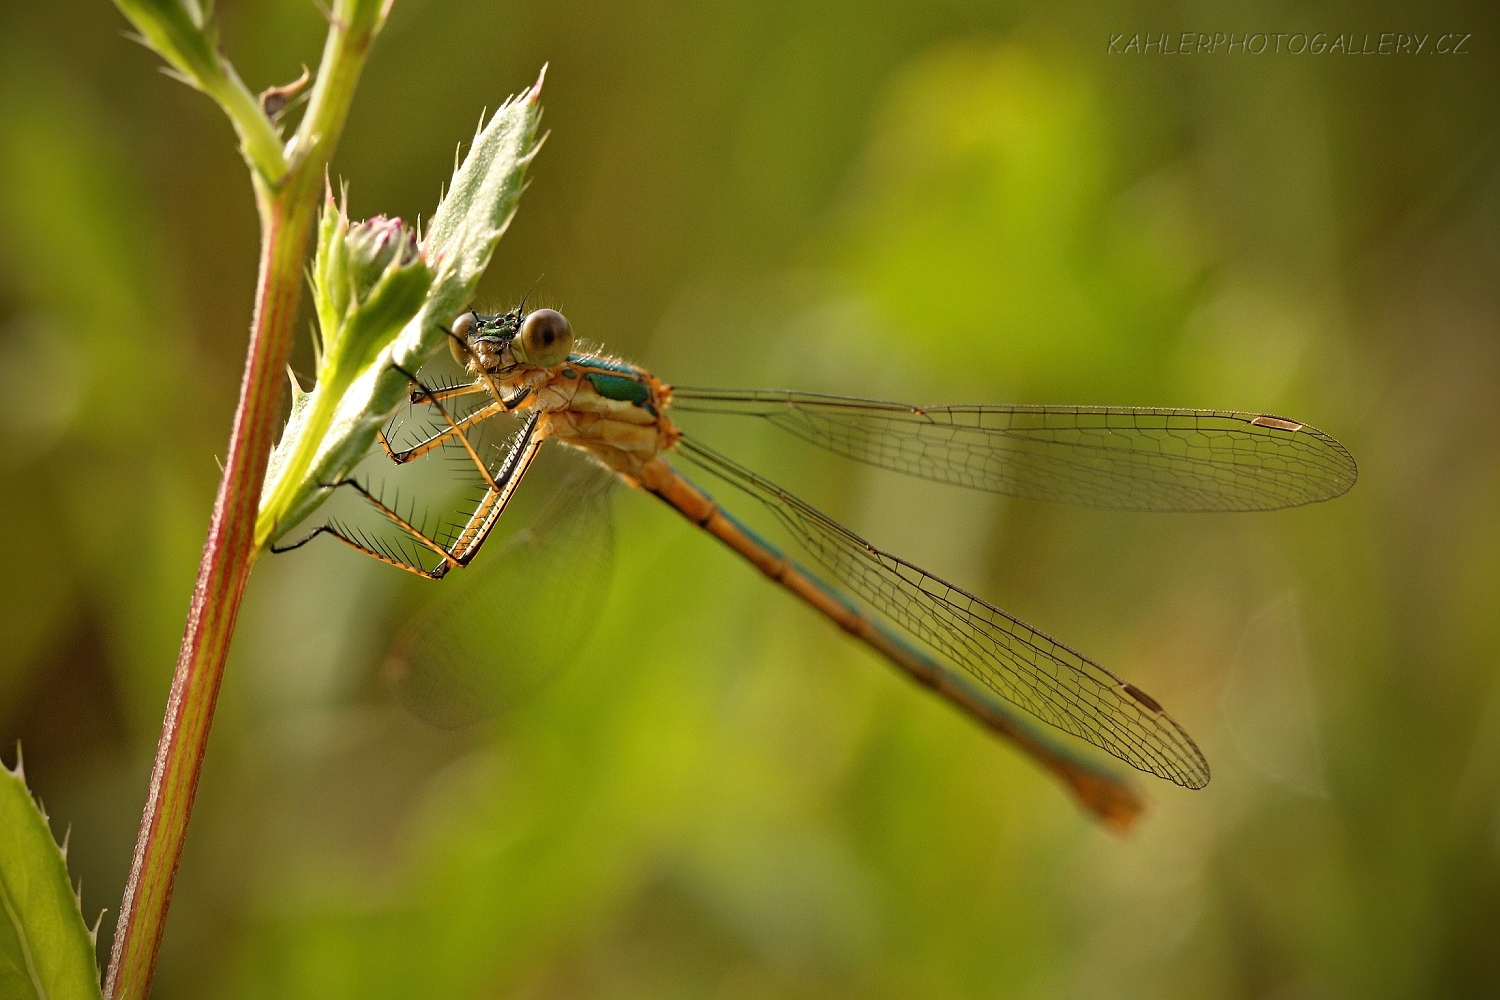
(522, 307)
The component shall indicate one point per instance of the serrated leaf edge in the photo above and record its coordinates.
(19, 773)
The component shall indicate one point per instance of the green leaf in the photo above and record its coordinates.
(392, 303)
(179, 33)
(182, 34)
(330, 280)
(480, 203)
(458, 245)
(46, 950)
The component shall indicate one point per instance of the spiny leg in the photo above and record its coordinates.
(502, 487)
(455, 429)
(420, 395)
(485, 516)
(475, 530)
(482, 522)
(373, 549)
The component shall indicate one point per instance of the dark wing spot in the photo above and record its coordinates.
(1266, 420)
(1142, 697)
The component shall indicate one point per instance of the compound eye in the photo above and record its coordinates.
(546, 338)
(462, 328)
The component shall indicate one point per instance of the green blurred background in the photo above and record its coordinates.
(722, 796)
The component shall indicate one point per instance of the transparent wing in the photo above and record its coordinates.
(1112, 457)
(1016, 662)
(498, 630)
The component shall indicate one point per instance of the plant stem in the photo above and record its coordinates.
(258, 139)
(287, 211)
(228, 555)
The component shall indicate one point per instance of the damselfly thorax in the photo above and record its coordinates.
(613, 410)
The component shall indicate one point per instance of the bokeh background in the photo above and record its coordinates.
(722, 796)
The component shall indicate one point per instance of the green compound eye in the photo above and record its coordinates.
(546, 339)
(462, 327)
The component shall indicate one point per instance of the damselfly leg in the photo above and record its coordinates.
(456, 546)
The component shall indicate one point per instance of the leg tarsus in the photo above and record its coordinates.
(279, 549)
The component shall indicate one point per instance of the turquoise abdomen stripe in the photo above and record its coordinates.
(838, 595)
(749, 532)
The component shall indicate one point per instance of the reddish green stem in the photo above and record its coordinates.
(228, 556)
(287, 213)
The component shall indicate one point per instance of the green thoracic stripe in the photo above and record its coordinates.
(608, 364)
(626, 390)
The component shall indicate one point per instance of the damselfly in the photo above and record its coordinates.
(978, 657)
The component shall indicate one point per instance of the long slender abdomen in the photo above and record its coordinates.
(1114, 802)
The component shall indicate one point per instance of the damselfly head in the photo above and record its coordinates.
(484, 342)
(542, 338)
